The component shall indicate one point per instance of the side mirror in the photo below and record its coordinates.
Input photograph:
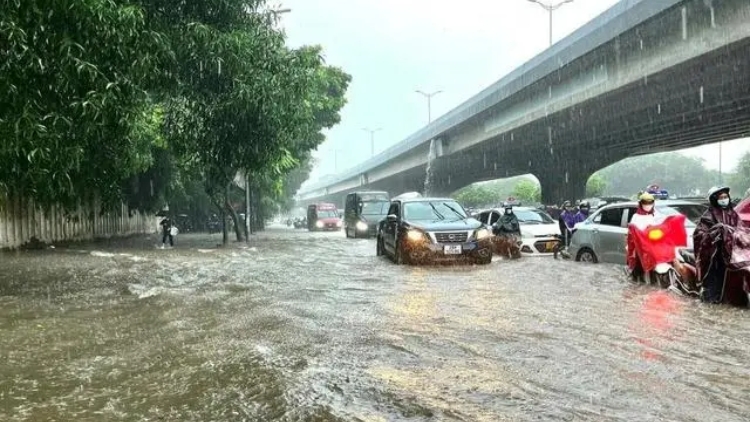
(391, 218)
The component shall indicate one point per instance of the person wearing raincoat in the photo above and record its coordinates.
(710, 242)
(645, 215)
(166, 230)
(583, 212)
(507, 230)
(567, 222)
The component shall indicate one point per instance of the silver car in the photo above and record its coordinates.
(602, 237)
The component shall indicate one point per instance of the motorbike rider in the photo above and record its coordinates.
(645, 215)
(583, 212)
(507, 231)
(709, 242)
(567, 222)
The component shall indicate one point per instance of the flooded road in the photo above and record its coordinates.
(315, 327)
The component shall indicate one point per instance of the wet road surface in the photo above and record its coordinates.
(314, 327)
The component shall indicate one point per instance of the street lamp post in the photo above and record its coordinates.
(550, 8)
(372, 139)
(429, 102)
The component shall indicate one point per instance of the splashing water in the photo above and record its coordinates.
(428, 171)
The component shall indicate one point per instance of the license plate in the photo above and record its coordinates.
(452, 249)
(550, 246)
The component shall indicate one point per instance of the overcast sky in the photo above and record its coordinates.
(394, 47)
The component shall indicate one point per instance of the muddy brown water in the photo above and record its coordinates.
(315, 327)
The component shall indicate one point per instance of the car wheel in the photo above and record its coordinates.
(663, 280)
(587, 255)
(379, 249)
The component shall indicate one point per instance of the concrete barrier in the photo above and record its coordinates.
(22, 220)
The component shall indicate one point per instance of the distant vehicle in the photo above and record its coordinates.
(540, 233)
(432, 229)
(323, 216)
(363, 211)
(658, 192)
(602, 237)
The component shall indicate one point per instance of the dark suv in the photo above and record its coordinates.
(432, 229)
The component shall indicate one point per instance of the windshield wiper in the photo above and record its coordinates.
(454, 210)
(436, 211)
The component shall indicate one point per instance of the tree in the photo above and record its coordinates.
(527, 191)
(245, 104)
(478, 196)
(678, 173)
(71, 96)
(596, 186)
(740, 180)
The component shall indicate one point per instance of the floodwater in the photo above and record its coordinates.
(314, 327)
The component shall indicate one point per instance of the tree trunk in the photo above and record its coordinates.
(224, 234)
(238, 230)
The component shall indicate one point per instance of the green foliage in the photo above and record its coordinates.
(675, 172)
(596, 186)
(477, 195)
(74, 81)
(150, 100)
(740, 180)
(527, 191)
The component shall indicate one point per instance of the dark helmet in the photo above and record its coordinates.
(584, 204)
(566, 204)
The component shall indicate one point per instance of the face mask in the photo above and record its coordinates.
(723, 202)
(648, 208)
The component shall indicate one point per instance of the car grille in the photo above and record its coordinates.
(451, 237)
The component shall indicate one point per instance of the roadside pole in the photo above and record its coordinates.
(247, 208)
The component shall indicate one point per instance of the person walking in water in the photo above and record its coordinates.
(166, 230)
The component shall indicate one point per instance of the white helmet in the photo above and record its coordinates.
(716, 190)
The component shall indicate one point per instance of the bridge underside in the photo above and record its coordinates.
(699, 102)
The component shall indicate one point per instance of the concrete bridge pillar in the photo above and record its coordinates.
(562, 185)
(564, 177)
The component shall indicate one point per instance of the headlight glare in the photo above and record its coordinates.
(338, 223)
(318, 224)
(414, 235)
(361, 226)
(481, 234)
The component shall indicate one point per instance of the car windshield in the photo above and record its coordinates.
(433, 210)
(693, 212)
(533, 217)
(374, 208)
(327, 214)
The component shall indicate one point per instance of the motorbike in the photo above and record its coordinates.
(505, 244)
(736, 289)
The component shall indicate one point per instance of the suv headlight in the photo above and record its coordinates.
(338, 223)
(414, 235)
(318, 224)
(481, 234)
(361, 226)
